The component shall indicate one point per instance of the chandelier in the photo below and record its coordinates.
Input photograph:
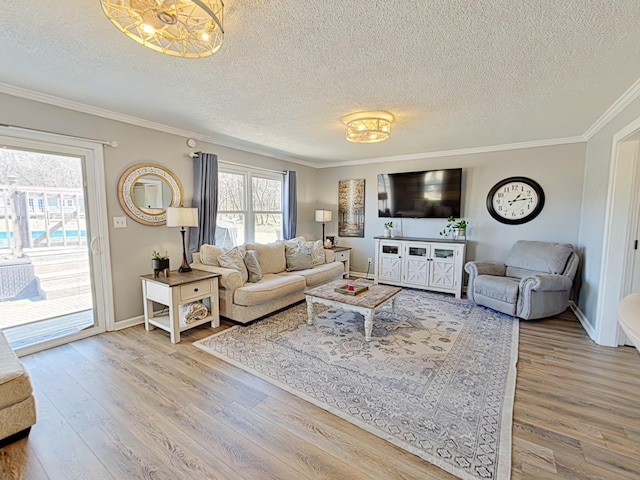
(368, 127)
(182, 28)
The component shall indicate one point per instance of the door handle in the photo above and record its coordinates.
(95, 246)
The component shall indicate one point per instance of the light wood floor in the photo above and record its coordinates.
(129, 404)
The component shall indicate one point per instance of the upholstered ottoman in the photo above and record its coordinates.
(17, 406)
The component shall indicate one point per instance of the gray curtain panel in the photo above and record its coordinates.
(205, 199)
(290, 210)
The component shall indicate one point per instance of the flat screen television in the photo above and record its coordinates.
(428, 194)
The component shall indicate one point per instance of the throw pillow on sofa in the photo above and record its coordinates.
(272, 259)
(317, 252)
(209, 255)
(234, 259)
(252, 262)
(294, 242)
(299, 257)
(317, 248)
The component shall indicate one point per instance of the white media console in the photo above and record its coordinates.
(427, 263)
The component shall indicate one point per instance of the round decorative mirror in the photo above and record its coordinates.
(147, 190)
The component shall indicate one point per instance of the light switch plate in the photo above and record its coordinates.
(119, 222)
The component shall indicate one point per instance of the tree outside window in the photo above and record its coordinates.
(249, 207)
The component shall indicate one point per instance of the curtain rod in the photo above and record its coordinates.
(108, 143)
(194, 155)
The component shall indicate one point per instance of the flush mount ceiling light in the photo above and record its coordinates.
(368, 127)
(182, 28)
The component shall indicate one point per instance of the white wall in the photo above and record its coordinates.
(131, 247)
(568, 216)
(558, 169)
(592, 219)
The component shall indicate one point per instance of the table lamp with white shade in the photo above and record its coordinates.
(323, 216)
(182, 217)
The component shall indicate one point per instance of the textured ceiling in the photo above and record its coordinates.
(455, 74)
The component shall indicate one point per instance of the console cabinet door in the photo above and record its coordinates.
(416, 264)
(389, 262)
(421, 264)
(443, 266)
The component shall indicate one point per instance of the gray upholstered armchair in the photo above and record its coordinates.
(534, 282)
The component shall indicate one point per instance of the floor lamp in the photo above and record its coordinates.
(182, 217)
(323, 216)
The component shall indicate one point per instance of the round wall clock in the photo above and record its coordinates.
(515, 200)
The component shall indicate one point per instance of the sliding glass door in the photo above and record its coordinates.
(54, 270)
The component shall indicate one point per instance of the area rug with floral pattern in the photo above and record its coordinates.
(437, 378)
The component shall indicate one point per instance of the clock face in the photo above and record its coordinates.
(515, 200)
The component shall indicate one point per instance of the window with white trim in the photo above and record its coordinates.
(249, 206)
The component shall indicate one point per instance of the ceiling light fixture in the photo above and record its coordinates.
(181, 28)
(368, 127)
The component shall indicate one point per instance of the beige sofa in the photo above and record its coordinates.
(17, 406)
(243, 301)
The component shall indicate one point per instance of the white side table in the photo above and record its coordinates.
(175, 290)
(343, 254)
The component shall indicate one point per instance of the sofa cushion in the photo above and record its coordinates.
(299, 257)
(270, 288)
(234, 259)
(504, 289)
(209, 255)
(252, 262)
(271, 255)
(542, 257)
(15, 385)
(520, 273)
(320, 274)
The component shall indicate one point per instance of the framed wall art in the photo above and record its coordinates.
(351, 208)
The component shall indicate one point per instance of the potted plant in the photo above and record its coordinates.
(159, 262)
(388, 229)
(456, 229)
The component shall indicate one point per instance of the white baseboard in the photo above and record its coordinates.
(361, 275)
(583, 320)
(129, 322)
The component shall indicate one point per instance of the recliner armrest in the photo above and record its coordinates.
(485, 268)
(482, 268)
(546, 283)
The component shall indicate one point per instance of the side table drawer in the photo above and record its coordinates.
(158, 293)
(194, 290)
(342, 256)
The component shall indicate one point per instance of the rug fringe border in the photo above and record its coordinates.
(506, 435)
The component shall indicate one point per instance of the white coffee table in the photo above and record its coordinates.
(364, 303)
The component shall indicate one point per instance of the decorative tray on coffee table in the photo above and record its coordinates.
(344, 289)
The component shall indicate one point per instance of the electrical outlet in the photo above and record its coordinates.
(119, 222)
(369, 261)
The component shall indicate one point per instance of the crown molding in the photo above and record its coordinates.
(620, 104)
(140, 122)
(462, 151)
